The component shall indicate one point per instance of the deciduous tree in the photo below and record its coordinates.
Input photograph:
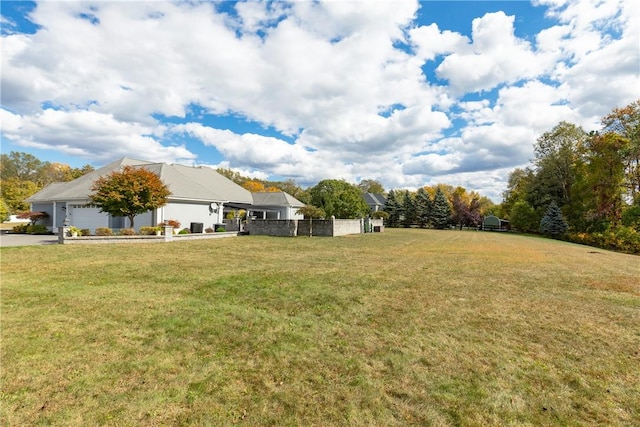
(339, 198)
(129, 192)
(371, 186)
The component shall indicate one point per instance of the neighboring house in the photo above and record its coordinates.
(375, 201)
(198, 195)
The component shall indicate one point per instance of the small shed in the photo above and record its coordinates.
(493, 223)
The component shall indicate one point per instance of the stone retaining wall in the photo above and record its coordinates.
(167, 236)
(319, 227)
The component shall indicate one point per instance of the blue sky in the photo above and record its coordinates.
(407, 93)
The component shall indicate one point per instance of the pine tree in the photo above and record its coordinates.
(408, 210)
(441, 210)
(424, 205)
(393, 209)
(553, 222)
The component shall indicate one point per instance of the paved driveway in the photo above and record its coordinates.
(26, 239)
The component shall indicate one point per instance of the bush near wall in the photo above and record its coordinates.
(623, 239)
(149, 231)
(104, 231)
(31, 229)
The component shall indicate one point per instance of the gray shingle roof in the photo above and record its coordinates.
(184, 182)
(375, 199)
(276, 198)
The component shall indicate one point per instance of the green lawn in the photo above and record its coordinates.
(406, 327)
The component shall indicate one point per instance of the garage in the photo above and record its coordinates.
(87, 217)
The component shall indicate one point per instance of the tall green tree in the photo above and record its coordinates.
(518, 187)
(625, 122)
(408, 209)
(424, 205)
(441, 212)
(371, 186)
(4, 211)
(553, 223)
(129, 192)
(557, 154)
(392, 207)
(524, 218)
(15, 192)
(339, 198)
(20, 166)
(606, 175)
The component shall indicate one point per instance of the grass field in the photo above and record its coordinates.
(406, 327)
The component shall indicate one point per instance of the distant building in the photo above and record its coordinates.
(493, 223)
(375, 201)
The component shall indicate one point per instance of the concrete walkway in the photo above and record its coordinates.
(26, 240)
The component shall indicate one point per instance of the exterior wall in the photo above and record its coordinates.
(291, 213)
(168, 236)
(86, 217)
(273, 227)
(61, 214)
(186, 213)
(319, 227)
(44, 207)
(342, 227)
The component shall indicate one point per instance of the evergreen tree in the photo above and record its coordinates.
(553, 222)
(393, 209)
(441, 210)
(424, 205)
(408, 210)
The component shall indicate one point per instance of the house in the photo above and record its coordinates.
(199, 195)
(375, 201)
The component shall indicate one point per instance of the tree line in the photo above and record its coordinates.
(592, 177)
(440, 206)
(23, 174)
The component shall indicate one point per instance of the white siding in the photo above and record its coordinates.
(186, 213)
(87, 217)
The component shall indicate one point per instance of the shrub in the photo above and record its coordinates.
(37, 229)
(208, 230)
(149, 231)
(128, 232)
(220, 230)
(380, 215)
(73, 230)
(624, 239)
(85, 232)
(184, 231)
(20, 229)
(104, 231)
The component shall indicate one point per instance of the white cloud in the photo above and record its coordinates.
(96, 80)
(495, 57)
(89, 135)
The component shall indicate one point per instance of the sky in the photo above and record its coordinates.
(403, 92)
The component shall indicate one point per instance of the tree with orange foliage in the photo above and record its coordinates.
(129, 192)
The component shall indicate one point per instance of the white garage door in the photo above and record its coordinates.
(88, 217)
